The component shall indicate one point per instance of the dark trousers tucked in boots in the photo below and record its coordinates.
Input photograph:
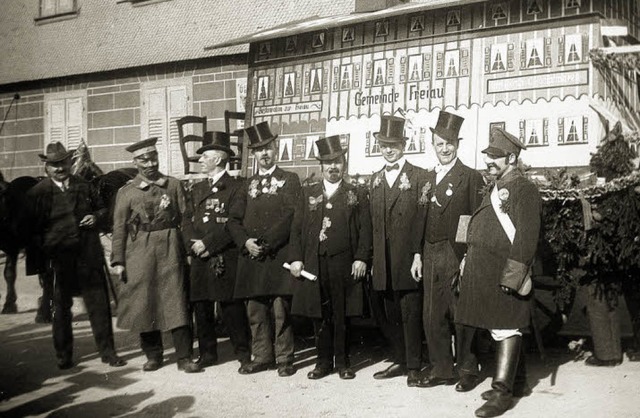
(234, 317)
(151, 343)
(507, 357)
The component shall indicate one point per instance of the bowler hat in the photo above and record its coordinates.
(391, 130)
(143, 147)
(55, 152)
(329, 148)
(502, 143)
(259, 135)
(216, 140)
(448, 126)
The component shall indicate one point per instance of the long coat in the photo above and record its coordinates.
(350, 232)
(213, 278)
(393, 215)
(147, 241)
(264, 210)
(492, 260)
(63, 234)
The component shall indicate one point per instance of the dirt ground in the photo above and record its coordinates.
(31, 384)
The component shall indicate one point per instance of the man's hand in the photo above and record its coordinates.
(252, 246)
(119, 270)
(296, 268)
(198, 247)
(88, 221)
(358, 269)
(416, 268)
(205, 254)
(462, 264)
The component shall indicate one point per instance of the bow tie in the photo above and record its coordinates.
(395, 166)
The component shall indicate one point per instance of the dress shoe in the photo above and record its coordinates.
(346, 373)
(188, 366)
(253, 367)
(65, 363)
(394, 370)
(595, 361)
(467, 383)
(113, 360)
(152, 365)
(434, 381)
(319, 373)
(634, 355)
(413, 378)
(286, 370)
(207, 359)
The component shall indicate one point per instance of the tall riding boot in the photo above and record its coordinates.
(521, 387)
(506, 366)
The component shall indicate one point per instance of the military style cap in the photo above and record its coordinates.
(329, 148)
(55, 152)
(391, 130)
(259, 135)
(448, 126)
(142, 147)
(502, 143)
(216, 140)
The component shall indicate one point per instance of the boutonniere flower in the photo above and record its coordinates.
(503, 195)
(404, 182)
(217, 188)
(275, 185)
(352, 198)
(314, 202)
(253, 189)
(165, 201)
(424, 194)
(326, 224)
(377, 181)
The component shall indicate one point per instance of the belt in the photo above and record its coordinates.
(156, 227)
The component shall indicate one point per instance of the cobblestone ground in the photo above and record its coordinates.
(31, 384)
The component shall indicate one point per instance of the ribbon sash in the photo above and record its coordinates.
(508, 226)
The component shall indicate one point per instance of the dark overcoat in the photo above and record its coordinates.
(55, 235)
(393, 215)
(264, 210)
(350, 232)
(492, 260)
(148, 242)
(214, 277)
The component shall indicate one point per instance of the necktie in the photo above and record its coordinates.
(395, 166)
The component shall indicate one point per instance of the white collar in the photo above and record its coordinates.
(401, 162)
(64, 185)
(216, 177)
(445, 168)
(331, 188)
(269, 172)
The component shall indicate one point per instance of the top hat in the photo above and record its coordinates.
(448, 126)
(55, 152)
(502, 143)
(216, 140)
(391, 130)
(259, 135)
(142, 147)
(329, 148)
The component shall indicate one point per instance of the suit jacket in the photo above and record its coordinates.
(264, 210)
(393, 215)
(349, 232)
(214, 277)
(492, 259)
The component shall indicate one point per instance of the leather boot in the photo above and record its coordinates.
(521, 387)
(506, 366)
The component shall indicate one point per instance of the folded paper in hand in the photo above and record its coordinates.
(463, 229)
(303, 273)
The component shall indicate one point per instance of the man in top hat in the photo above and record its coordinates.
(453, 191)
(214, 254)
(395, 194)
(64, 213)
(260, 224)
(496, 282)
(148, 253)
(330, 238)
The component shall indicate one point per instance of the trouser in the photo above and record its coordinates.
(631, 291)
(332, 330)
(269, 343)
(94, 292)
(234, 316)
(151, 343)
(605, 325)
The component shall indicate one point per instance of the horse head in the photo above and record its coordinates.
(83, 166)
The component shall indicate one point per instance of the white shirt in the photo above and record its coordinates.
(392, 175)
(214, 179)
(330, 188)
(442, 170)
(269, 172)
(62, 185)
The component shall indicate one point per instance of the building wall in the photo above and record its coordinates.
(113, 106)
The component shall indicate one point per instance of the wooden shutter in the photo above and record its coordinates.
(55, 121)
(177, 108)
(156, 109)
(73, 128)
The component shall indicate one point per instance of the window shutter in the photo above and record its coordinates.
(55, 121)
(74, 122)
(177, 109)
(510, 56)
(157, 123)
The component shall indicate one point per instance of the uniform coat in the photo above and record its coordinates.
(154, 297)
(492, 260)
(210, 215)
(392, 211)
(350, 233)
(264, 210)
